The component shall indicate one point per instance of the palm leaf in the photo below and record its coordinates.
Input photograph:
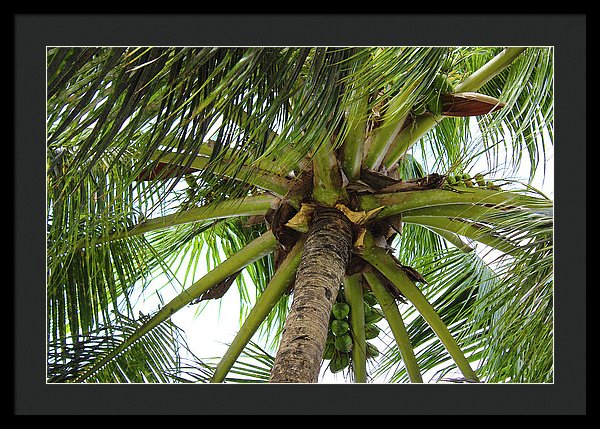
(149, 132)
(155, 358)
(254, 366)
(491, 307)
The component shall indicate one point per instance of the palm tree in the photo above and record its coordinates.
(362, 193)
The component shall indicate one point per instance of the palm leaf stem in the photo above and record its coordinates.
(393, 121)
(399, 202)
(479, 233)
(353, 290)
(254, 251)
(279, 283)
(423, 123)
(452, 238)
(270, 162)
(383, 262)
(278, 185)
(394, 319)
(492, 68)
(249, 206)
(353, 146)
(464, 211)
(327, 180)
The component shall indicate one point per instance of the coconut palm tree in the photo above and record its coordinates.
(365, 195)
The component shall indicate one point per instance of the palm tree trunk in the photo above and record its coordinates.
(321, 271)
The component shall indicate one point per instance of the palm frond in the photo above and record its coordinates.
(156, 358)
(523, 125)
(197, 248)
(452, 281)
(254, 365)
(406, 285)
(139, 136)
(500, 310)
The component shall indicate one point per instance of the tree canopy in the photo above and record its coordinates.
(161, 155)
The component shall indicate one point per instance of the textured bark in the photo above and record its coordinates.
(321, 271)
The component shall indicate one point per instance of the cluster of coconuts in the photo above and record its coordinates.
(339, 343)
(468, 181)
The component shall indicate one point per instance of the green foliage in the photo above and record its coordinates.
(155, 358)
(221, 116)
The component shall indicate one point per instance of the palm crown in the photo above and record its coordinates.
(354, 171)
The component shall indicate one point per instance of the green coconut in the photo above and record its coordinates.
(480, 179)
(371, 331)
(372, 351)
(339, 362)
(339, 327)
(369, 298)
(329, 351)
(343, 343)
(340, 310)
(375, 316)
(367, 309)
(466, 179)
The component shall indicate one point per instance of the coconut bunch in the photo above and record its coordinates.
(468, 181)
(340, 338)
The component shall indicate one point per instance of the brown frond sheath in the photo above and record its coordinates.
(277, 219)
(462, 104)
(218, 290)
(390, 287)
(378, 183)
(254, 220)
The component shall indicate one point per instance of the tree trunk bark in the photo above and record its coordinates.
(321, 271)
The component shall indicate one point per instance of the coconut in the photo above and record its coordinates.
(339, 362)
(343, 343)
(367, 309)
(329, 351)
(339, 327)
(371, 331)
(372, 351)
(480, 179)
(375, 316)
(370, 298)
(340, 310)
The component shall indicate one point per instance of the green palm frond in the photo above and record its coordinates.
(253, 366)
(137, 136)
(519, 309)
(156, 358)
(414, 241)
(526, 124)
(453, 278)
(195, 249)
(494, 307)
(82, 289)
